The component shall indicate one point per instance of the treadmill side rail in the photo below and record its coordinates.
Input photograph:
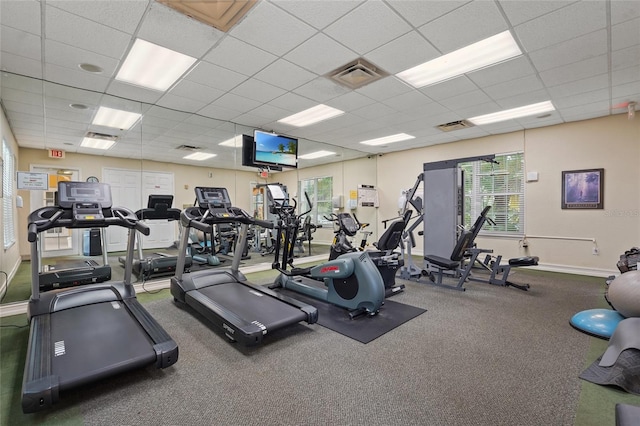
(165, 347)
(39, 385)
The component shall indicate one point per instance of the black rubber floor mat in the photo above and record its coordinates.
(363, 328)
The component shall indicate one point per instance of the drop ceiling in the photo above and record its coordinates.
(584, 56)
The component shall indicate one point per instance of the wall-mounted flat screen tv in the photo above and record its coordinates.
(275, 150)
(248, 150)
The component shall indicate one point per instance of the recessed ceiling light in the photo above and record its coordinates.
(199, 156)
(97, 143)
(94, 69)
(484, 53)
(512, 113)
(235, 142)
(311, 116)
(115, 118)
(317, 154)
(78, 106)
(388, 139)
(152, 66)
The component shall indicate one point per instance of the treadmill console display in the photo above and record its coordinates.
(71, 193)
(212, 197)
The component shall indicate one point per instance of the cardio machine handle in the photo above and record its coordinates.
(41, 220)
(129, 219)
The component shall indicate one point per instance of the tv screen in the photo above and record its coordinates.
(276, 150)
(248, 149)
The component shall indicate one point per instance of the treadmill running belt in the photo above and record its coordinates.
(97, 340)
(251, 305)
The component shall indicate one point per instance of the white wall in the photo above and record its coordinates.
(612, 143)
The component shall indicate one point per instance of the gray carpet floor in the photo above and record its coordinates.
(488, 356)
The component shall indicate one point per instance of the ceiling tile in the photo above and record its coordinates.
(623, 11)
(21, 15)
(292, 102)
(231, 53)
(20, 43)
(383, 89)
(218, 112)
(625, 75)
(20, 65)
(285, 75)
(235, 102)
(452, 87)
(359, 31)
(574, 50)
(71, 57)
(465, 100)
(129, 91)
(170, 100)
(214, 76)
(257, 28)
(468, 24)
(504, 71)
(419, 12)
(316, 12)
(320, 54)
(85, 34)
(563, 24)
(580, 86)
(626, 34)
(200, 92)
(515, 87)
(575, 71)
(321, 90)
(167, 27)
(10, 94)
(625, 58)
(583, 98)
(523, 99)
(403, 53)
(518, 11)
(75, 78)
(258, 91)
(350, 101)
(120, 15)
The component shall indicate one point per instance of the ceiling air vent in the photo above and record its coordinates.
(357, 73)
(189, 148)
(102, 136)
(220, 14)
(455, 125)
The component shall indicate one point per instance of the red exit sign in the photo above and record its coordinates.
(56, 153)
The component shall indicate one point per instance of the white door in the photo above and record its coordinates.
(125, 192)
(163, 233)
(55, 241)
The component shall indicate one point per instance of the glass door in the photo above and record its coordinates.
(56, 241)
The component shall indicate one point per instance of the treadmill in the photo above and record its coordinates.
(156, 264)
(242, 311)
(70, 273)
(83, 334)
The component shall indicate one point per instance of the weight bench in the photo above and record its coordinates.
(458, 265)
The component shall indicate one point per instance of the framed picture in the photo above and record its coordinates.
(583, 189)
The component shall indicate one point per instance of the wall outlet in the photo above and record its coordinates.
(595, 251)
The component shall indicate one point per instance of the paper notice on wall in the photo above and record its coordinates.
(367, 196)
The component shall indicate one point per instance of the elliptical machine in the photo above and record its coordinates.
(352, 281)
(385, 258)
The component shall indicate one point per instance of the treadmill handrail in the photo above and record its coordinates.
(203, 219)
(49, 217)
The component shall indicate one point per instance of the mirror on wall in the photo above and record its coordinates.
(148, 157)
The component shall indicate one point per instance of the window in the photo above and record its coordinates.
(320, 192)
(8, 172)
(499, 185)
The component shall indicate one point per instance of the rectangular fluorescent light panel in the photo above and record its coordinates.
(97, 143)
(509, 114)
(484, 53)
(317, 154)
(199, 156)
(388, 139)
(152, 66)
(234, 142)
(311, 116)
(115, 118)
